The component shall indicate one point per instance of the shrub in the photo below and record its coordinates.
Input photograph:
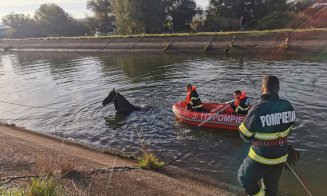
(149, 161)
(38, 187)
(47, 187)
(54, 164)
(275, 20)
(12, 192)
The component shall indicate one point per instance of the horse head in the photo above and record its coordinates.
(120, 102)
(110, 98)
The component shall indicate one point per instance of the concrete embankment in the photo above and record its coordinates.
(308, 41)
(25, 154)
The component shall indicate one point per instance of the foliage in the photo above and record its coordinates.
(128, 16)
(53, 20)
(103, 16)
(22, 25)
(182, 12)
(221, 23)
(251, 10)
(153, 15)
(148, 16)
(54, 164)
(47, 187)
(12, 192)
(49, 20)
(149, 161)
(275, 20)
(38, 187)
(131, 17)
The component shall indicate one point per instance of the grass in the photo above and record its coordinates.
(165, 35)
(38, 187)
(48, 187)
(54, 164)
(12, 192)
(149, 161)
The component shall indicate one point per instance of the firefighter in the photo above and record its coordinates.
(241, 105)
(267, 126)
(193, 100)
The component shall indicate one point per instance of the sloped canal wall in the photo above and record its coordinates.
(239, 42)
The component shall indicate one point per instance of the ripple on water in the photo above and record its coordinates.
(76, 84)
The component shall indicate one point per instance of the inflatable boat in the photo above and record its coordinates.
(220, 114)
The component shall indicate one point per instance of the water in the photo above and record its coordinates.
(68, 89)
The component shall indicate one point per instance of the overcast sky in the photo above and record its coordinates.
(77, 8)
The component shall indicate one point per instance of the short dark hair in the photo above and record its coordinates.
(271, 83)
(189, 85)
(237, 92)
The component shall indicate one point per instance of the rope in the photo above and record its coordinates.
(298, 178)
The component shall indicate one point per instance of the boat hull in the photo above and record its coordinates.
(224, 120)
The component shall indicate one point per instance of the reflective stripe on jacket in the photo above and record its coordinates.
(193, 100)
(241, 105)
(271, 119)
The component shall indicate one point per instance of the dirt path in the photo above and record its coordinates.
(24, 153)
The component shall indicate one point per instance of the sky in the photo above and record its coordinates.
(77, 8)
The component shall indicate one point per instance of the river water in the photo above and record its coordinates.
(66, 91)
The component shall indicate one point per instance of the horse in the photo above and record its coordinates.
(120, 102)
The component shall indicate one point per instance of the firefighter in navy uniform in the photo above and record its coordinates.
(267, 126)
(242, 103)
(193, 100)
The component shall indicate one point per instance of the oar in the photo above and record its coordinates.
(194, 128)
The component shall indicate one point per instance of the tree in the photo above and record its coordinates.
(148, 16)
(102, 10)
(48, 20)
(129, 16)
(153, 15)
(251, 10)
(54, 21)
(22, 25)
(182, 12)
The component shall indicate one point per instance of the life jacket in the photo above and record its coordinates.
(243, 96)
(188, 96)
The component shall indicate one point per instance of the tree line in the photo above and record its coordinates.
(155, 16)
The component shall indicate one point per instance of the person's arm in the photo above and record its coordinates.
(243, 106)
(232, 105)
(246, 129)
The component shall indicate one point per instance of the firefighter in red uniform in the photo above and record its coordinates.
(192, 99)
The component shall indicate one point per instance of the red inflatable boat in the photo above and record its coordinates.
(224, 120)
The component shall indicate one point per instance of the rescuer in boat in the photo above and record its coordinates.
(192, 99)
(242, 103)
(267, 126)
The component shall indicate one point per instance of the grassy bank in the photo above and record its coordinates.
(166, 35)
(206, 33)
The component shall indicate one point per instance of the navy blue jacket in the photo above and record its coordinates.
(271, 119)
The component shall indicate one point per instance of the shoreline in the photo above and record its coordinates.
(249, 42)
(21, 148)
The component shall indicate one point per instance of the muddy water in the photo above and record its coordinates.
(66, 91)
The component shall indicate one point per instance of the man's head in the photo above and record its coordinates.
(188, 87)
(270, 84)
(237, 94)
